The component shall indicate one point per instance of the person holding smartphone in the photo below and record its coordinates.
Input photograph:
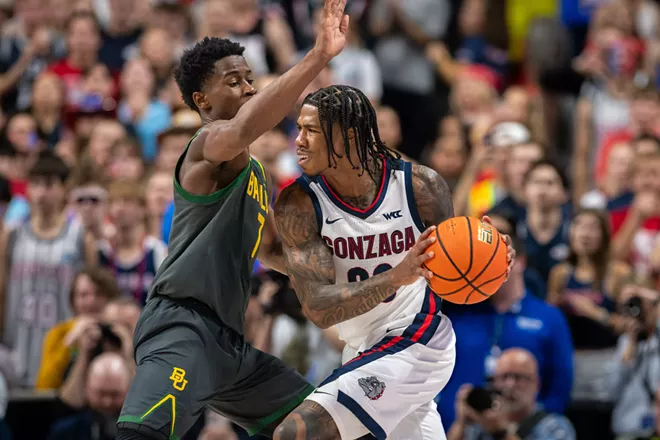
(507, 409)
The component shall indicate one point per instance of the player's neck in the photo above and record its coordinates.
(354, 184)
(129, 237)
(46, 225)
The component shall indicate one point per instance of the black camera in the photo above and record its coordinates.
(109, 340)
(481, 399)
(633, 308)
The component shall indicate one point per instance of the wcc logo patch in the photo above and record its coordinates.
(372, 387)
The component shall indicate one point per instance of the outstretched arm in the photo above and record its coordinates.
(311, 268)
(224, 140)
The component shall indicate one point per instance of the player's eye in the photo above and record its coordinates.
(250, 81)
(233, 84)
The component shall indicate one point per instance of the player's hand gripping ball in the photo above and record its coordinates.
(470, 261)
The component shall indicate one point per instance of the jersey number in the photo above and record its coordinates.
(359, 274)
(262, 221)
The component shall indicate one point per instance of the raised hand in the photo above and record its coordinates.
(334, 27)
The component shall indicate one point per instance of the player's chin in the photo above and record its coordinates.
(308, 165)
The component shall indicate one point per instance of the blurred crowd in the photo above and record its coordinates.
(544, 115)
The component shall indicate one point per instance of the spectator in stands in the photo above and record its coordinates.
(41, 259)
(510, 318)
(132, 255)
(514, 413)
(545, 227)
(449, 154)
(159, 194)
(585, 288)
(22, 146)
(483, 184)
(92, 412)
(47, 104)
(615, 184)
(83, 43)
(92, 289)
(504, 222)
(403, 29)
(636, 224)
(88, 198)
(126, 161)
(638, 360)
(175, 19)
(157, 48)
(120, 34)
(520, 158)
(139, 107)
(174, 140)
(27, 47)
(103, 136)
(356, 65)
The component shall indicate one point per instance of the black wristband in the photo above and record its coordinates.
(499, 435)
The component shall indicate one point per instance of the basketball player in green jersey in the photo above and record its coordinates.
(189, 345)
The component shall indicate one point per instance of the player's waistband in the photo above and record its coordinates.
(424, 326)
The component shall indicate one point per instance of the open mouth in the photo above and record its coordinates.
(302, 158)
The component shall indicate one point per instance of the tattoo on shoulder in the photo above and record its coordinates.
(294, 216)
(432, 195)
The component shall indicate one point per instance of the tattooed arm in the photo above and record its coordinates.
(311, 269)
(432, 195)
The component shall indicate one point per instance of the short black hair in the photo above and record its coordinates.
(547, 163)
(198, 65)
(351, 109)
(49, 165)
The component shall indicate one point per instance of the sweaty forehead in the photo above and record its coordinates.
(230, 64)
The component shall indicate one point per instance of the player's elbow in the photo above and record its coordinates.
(318, 317)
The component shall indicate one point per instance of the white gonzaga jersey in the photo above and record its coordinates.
(368, 242)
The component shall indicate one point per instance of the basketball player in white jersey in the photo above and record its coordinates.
(355, 227)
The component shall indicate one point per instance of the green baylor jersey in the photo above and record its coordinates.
(214, 242)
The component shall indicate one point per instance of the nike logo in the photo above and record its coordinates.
(329, 222)
(321, 392)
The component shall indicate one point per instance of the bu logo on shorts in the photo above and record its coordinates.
(372, 387)
(177, 378)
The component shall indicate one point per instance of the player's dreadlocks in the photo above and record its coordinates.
(351, 109)
(198, 65)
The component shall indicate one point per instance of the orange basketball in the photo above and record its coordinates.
(470, 260)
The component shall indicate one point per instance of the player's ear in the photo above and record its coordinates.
(201, 101)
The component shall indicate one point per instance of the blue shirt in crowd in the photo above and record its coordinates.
(482, 333)
(552, 426)
(167, 223)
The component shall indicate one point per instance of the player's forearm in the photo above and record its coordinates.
(327, 305)
(265, 110)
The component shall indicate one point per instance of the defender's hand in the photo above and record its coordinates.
(334, 27)
(410, 269)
